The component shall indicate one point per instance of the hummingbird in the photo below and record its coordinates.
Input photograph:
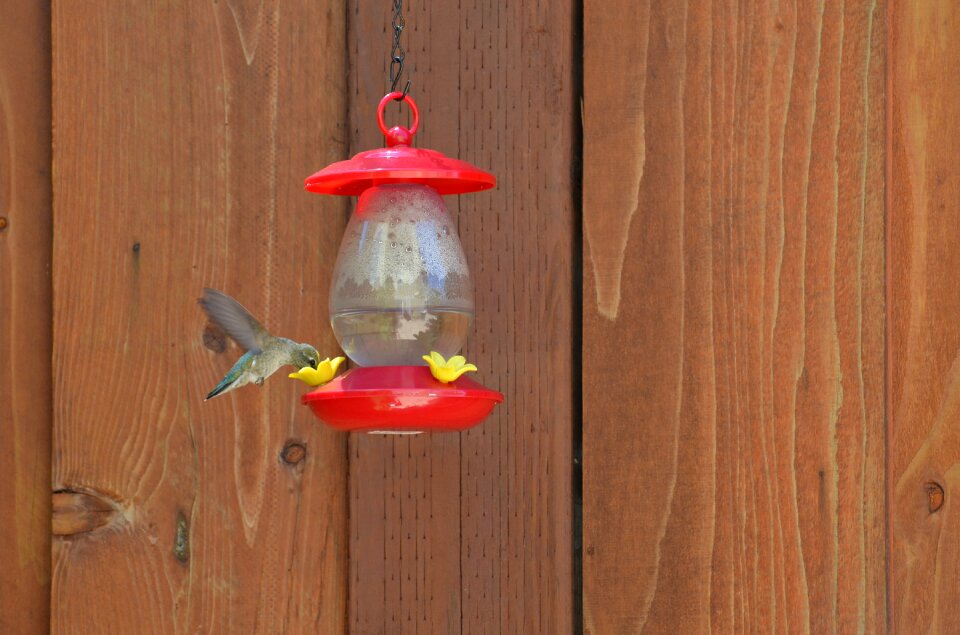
(264, 355)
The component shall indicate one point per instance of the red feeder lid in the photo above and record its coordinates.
(400, 399)
(399, 163)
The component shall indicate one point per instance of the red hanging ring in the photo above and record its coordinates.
(398, 135)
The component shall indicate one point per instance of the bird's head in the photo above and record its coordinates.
(305, 355)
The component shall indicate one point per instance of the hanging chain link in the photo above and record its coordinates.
(397, 55)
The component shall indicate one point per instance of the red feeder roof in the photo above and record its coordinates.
(399, 163)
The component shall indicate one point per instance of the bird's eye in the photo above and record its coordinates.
(312, 362)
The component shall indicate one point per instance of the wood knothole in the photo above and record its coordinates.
(78, 512)
(214, 338)
(293, 452)
(181, 539)
(935, 496)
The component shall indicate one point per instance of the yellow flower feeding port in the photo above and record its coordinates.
(446, 371)
(320, 375)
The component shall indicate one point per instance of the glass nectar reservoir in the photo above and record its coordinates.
(401, 286)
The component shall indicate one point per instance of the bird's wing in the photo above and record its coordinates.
(230, 315)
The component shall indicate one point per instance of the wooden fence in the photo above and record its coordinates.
(718, 283)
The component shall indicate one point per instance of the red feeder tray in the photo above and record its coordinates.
(400, 400)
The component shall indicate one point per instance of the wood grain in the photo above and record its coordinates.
(733, 393)
(471, 533)
(924, 302)
(25, 318)
(183, 134)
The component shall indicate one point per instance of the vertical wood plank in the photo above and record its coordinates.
(733, 431)
(405, 492)
(183, 134)
(924, 301)
(25, 317)
(472, 533)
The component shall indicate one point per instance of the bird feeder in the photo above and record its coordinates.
(401, 289)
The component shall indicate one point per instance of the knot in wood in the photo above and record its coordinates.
(181, 538)
(3, 223)
(79, 512)
(214, 338)
(293, 453)
(934, 496)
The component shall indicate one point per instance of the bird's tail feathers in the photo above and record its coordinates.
(221, 388)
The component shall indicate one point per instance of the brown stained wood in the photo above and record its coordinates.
(924, 302)
(183, 134)
(25, 329)
(471, 533)
(733, 393)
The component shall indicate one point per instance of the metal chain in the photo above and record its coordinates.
(397, 55)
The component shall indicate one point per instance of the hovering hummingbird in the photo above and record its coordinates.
(265, 353)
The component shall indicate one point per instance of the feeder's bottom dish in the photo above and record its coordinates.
(400, 399)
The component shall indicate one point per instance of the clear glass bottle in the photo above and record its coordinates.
(401, 286)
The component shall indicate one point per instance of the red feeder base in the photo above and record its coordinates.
(400, 400)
